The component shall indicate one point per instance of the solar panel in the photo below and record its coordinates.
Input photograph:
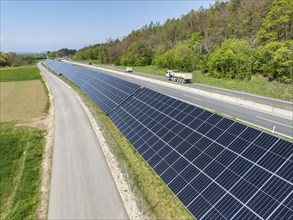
(217, 168)
(106, 91)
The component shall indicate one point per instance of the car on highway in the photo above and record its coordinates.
(128, 69)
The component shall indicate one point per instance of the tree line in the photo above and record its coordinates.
(232, 39)
(65, 52)
(14, 59)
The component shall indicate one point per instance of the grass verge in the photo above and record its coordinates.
(258, 85)
(21, 150)
(22, 73)
(48, 104)
(158, 200)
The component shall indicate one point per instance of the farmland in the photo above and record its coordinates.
(19, 74)
(21, 155)
(23, 99)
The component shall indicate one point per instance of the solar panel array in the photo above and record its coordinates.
(106, 91)
(218, 168)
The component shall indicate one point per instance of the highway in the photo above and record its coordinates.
(250, 97)
(82, 186)
(264, 120)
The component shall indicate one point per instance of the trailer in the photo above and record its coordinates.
(176, 76)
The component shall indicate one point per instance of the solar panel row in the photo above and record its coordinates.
(106, 91)
(218, 168)
(209, 162)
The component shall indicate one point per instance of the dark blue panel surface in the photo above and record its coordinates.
(213, 156)
(106, 91)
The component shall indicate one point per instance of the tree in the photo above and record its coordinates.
(184, 56)
(222, 40)
(11, 57)
(115, 50)
(3, 59)
(277, 26)
(65, 52)
(138, 54)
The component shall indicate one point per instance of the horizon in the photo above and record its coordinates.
(48, 27)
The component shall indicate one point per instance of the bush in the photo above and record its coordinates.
(274, 60)
(138, 54)
(181, 57)
(233, 60)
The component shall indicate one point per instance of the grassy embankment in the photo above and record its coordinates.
(23, 98)
(159, 202)
(258, 85)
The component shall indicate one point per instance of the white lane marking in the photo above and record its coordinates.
(274, 122)
(152, 85)
(189, 96)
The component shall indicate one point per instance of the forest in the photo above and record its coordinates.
(233, 39)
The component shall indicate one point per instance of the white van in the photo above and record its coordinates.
(128, 69)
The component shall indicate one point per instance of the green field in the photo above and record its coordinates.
(258, 85)
(24, 99)
(21, 156)
(23, 73)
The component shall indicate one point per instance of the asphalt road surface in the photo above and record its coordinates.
(246, 96)
(261, 119)
(82, 186)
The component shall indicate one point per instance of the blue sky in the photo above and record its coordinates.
(52, 25)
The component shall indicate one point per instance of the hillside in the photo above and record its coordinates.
(235, 39)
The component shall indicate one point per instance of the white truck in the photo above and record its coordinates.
(176, 76)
